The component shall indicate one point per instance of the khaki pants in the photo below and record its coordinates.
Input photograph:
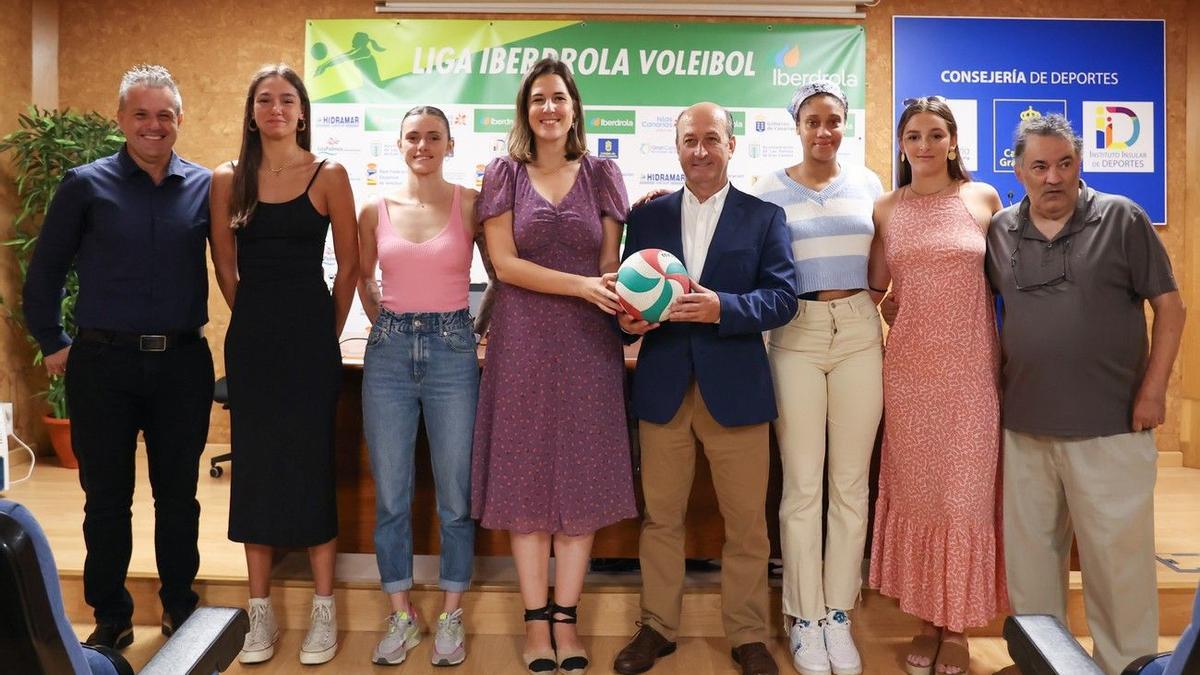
(739, 461)
(827, 367)
(1102, 490)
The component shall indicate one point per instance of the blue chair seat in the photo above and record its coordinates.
(36, 637)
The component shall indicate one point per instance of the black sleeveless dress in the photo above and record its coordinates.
(284, 369)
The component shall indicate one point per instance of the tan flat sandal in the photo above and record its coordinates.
(922, 646)
(953, 655)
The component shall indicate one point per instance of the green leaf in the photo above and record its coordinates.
(46, 144)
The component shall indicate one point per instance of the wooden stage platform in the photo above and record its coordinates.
(609, 607)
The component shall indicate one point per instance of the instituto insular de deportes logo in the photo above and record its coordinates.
(1105, 116)
(1120, 138)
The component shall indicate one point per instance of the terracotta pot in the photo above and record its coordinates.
(60, 440)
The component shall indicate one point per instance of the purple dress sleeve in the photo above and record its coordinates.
(610, 190)
(499, 186)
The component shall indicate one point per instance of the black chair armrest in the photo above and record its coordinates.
(206, 643)
(1040, 645)
(1139, 664)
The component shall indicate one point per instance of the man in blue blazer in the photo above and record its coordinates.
(703, 375)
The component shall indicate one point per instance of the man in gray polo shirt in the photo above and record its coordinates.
(1082, 391)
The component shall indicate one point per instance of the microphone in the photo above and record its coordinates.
(1010, 196)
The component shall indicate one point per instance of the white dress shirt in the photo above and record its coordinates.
(699, 224)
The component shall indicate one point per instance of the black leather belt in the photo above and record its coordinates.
(160, 342)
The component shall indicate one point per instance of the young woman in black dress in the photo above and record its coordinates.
(270, 215)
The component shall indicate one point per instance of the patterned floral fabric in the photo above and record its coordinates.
(937, 540)
(551, 449)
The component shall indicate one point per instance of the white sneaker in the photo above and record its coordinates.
(320, 644)
(808, 648)
(259, 644)
(843, 655)
(450, 642)
(403, 634)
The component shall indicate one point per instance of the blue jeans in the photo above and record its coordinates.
(421, 365)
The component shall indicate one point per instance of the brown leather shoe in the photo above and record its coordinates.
(754, 659)
(646, 647)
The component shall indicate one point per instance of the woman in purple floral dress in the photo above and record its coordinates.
(551, 458)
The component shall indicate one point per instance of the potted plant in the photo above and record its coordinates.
(47, 144)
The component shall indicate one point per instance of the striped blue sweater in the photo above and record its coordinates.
(831, 229)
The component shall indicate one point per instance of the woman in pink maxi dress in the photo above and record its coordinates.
(936, 545)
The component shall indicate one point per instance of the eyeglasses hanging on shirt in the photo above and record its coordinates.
(1033, 271)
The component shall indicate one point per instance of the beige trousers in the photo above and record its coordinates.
(827, 367)
(1102, 490)
(739, 461)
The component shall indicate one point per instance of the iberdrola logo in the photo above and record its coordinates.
(612, 121)
(788, 57)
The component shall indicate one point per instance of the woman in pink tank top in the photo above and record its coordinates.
(937, 545)
(420, 363)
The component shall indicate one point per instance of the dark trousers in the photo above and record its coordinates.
(113, 393)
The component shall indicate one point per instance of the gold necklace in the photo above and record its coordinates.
(282, 168)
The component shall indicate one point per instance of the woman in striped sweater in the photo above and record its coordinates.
(826, 365)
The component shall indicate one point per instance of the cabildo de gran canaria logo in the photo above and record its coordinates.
(609, 148)
(1122, 136)
(1007, 115)
(787, 61)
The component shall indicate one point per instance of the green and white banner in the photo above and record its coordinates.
(634, 78)
(615, 63)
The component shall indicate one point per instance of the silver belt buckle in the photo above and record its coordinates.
(152, 343)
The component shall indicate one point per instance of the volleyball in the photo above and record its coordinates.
(648, 281)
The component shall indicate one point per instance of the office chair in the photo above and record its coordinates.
(1041, 645)
(36, 637)
(220, 395)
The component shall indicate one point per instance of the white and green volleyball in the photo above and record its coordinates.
(648, 281)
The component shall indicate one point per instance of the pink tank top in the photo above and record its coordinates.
(433, 276)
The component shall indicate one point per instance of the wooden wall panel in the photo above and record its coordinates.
(213, 47)
(1190, 356)
(44, 54)
(18, 379)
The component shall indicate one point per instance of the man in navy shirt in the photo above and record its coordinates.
(135, 225)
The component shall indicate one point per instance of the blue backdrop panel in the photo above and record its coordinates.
(1107, 76)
